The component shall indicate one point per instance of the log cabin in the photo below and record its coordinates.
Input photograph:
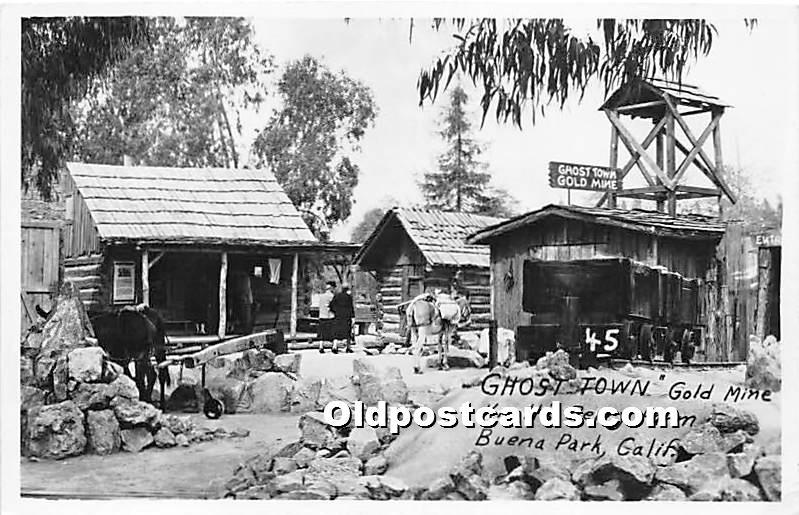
(190, 242)
(683, 245)
(416, 250)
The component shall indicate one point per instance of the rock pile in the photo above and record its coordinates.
(764, 365)
(325, 463)
(75, 400)
(264, 390)
(714, 462)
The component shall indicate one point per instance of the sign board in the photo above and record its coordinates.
(771, 238)
(584, 177)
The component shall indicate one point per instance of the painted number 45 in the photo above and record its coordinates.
(610, 344)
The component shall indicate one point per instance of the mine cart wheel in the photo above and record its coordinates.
(212, 407)
(646, 343)
(687, 347)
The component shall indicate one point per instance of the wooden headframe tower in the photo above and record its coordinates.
(666, 104)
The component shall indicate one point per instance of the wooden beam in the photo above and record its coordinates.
(635, 155)
(691, 157)
(710, 192)
(294, 274)
(222, 295)
(240, 344)
(719, 160)
(646, 189)
(156, 259)
(613, 161)
(642, 105)
(660, 202)
(671, 162)
(630, 141)
(145, 277)
(714, 175)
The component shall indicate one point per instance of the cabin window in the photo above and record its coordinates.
(124, 282)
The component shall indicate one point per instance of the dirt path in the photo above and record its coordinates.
(197, 471)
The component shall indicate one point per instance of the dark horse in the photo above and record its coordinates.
(135, 334)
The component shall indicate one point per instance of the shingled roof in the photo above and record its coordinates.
(642, 92)
(439, 235)
(188, 205)
(687, 226)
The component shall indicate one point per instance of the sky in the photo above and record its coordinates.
(743, 69)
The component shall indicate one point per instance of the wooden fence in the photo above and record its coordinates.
(39, 267)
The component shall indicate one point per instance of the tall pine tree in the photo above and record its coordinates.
(462, 182)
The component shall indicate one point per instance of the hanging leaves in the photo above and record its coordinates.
(525, 65)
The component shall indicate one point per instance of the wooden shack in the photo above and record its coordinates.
(682, 244)
(40, 225)
(769, 266)
(189, 242)
(415, 250)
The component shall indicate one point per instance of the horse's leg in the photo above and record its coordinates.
(447, 338)
(150, 377)
(139, 379)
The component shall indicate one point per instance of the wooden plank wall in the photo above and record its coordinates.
(557, 240)
(39, 267)
(80, 233)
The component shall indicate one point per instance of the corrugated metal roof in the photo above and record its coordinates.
(688, 226)
(439, 235)
(188, 205)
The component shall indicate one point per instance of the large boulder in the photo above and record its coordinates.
(363, 443)
(557, 363)
(727, 489)
(164, 438)
(125, 387)
(103, 432)
(86, 364)
(764, 364)
(305, 395)
(557, 489)
(336, 389)
(633, 473)
(768, 470)
(288, 362)
(269, 393)
(316, 433)
(136, 439)
(691, 475)
(728, 419)
(131, 413)
(56, 431)
(342, 472)
(229, 390)
(93, 396)
(374, 385)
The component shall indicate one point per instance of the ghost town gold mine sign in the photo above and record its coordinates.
(584, 177)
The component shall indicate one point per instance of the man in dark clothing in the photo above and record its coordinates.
(343, 311)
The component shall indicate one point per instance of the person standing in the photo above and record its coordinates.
(343, 311)
(325, 316)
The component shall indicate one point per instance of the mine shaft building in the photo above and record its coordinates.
(415, 250)
(662, 269)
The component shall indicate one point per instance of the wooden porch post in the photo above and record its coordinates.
(222, 295)
(145, 277)
(671, 162)
(294, 273)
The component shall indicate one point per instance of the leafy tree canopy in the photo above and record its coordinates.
(60, 57)
(367, 224)
(177, 101)
(309, 143)
(524, 65)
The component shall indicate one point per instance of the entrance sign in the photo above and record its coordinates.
(772, 238)
(584, 177)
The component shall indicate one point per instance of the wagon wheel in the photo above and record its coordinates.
(687, 347)
(212, 407)
(646, 343)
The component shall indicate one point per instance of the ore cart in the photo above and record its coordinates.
(608, 308)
